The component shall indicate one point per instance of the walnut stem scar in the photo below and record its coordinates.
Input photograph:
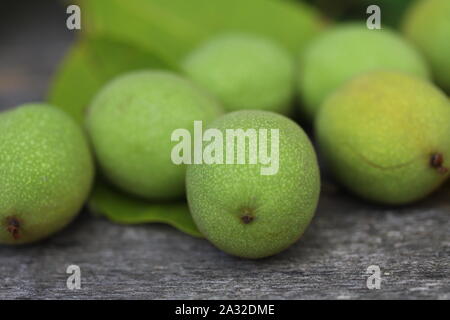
(13, 227)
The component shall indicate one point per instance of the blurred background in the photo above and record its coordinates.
(33, 40)
(354, 9)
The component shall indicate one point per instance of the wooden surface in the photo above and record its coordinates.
(411, 245)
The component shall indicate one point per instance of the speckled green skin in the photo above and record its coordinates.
(130, 123)
(46, 172)
(282, 205)
(244, 72)
(346, 51)
(378, 134)
(427, 25)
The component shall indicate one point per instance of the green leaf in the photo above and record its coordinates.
(172, 28)
(124, 209)
(90, 64)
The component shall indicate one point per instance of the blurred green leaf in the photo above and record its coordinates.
(124, 209)
(89, 65)
(172, 28)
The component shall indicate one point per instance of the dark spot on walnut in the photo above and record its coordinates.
(437, 162)
(246, 219)
(246, 214)
(13, 227)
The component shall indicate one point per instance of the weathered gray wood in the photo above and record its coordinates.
(410, 244)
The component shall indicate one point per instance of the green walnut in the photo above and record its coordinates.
(130, 123)
(244, 72)
(386, 136)
(427, 25)
(349, 50)
(46, 172)
(239, 207)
